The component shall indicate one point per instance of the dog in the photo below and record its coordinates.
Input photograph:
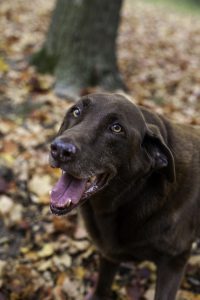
(135, 177)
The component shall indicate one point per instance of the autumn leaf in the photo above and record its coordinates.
(3, 66)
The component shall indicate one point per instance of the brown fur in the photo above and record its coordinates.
(150, 208)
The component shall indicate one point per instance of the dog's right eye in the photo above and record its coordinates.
(76, 112)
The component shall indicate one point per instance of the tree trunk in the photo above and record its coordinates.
(81, 46)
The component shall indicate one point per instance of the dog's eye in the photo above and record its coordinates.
(76, 112)
(116, 128)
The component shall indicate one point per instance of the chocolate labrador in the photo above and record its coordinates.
(136, 178)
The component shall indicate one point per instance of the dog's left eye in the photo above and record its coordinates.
(76, 112)
(116, 128)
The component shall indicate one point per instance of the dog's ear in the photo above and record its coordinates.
(159, 153)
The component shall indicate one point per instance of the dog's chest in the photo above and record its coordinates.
(105, 232)
(121, 240)
(101, 228)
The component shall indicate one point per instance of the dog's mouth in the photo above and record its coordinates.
(69, 192)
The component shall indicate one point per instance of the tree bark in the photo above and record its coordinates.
(80, 47)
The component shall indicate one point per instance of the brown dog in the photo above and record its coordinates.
(136, 177)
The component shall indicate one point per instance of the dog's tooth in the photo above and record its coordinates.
(69, 201)
(93, 178)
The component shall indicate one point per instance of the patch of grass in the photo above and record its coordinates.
(186, 6)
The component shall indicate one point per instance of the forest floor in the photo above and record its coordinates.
(44, 257)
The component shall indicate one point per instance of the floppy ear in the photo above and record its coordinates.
(159, 153)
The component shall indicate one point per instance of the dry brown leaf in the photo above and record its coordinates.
(40, 184)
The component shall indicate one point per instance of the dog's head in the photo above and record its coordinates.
(104, 136)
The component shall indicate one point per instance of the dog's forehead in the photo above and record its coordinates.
(104, 103)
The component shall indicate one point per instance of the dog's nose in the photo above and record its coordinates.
(62, 151)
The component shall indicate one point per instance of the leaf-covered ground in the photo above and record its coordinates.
(47, 257)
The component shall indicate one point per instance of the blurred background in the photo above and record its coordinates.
(50, 54)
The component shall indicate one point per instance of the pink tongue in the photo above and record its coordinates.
(67, 188)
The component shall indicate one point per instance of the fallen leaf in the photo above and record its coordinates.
(2, 266)
(16, 213)
(149, 294)
(45, 265)
(46, 251)
(63, 260)
(71, 288)
(3, 66)
(40, 185)
(194, 260)
(6, 204)
(79, 272)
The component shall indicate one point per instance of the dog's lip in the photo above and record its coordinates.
(94, 184)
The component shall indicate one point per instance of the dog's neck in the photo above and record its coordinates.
(132, 193)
